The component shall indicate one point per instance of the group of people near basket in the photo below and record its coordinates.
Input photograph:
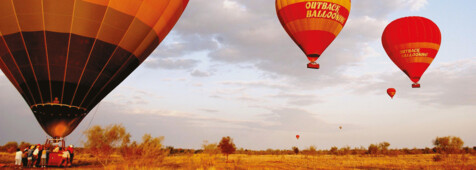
(38, 156)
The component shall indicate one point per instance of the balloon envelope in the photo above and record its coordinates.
(412, 44)
(65, 56)
(391, 92)
(313, 24)
(297, 136)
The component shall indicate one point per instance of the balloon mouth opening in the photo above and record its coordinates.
(58, 120)
(312, 61)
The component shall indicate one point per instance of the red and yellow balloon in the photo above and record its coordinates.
(412, 43)
(313, 24)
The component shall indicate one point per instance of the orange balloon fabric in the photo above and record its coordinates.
(297, 136)
(65, 56)
(313, 24)
(391, 92)
(412, 44)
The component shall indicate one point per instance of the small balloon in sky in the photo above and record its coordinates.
(391, 92)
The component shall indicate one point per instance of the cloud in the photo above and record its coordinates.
(416, 5)
(297, 99)
(381, 9)
(171, 64)
(210, 110)
(198, 73)
(256, 84)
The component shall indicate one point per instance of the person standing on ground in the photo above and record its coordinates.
(30, 156)
(71, 153)
(18, 157)
(24, 157)
(65, 159)
(44, 155)
(35, 156)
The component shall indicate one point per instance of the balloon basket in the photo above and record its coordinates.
(416, 85)
(313, 66)
(56, 146)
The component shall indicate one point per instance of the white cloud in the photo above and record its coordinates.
(171, 64)
(296, 99)
(416, 5)
(198, 73)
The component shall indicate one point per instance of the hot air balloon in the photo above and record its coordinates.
(412, 43)
(313, 24)
(340, 127)
(65, 56)
(297, 136)
(391, 92)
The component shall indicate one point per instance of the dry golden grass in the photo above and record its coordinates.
(203, 161)
(237, 161)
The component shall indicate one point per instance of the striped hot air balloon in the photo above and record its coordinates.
(313, 24)
(65, 56)
(412, 43)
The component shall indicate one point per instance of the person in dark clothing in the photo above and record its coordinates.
(71, 153)
(38, 158)
(24, 157)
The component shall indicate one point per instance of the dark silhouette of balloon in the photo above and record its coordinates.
(65, 56)
(297, 136)
(313, 24)
(340, 127)
(391, 92)
(412, 43)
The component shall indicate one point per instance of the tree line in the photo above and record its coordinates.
(103, 142)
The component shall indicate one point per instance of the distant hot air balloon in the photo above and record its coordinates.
(313, 24)
(65, 56)
(340, 127)
(412, 43)
(391, 92)
(297, 136)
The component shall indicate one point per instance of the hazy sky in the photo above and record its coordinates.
(228, 68)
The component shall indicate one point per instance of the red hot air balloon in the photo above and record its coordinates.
(65, 56)
(391, 92)
(297, 136)
(412, 43)
(313, 24)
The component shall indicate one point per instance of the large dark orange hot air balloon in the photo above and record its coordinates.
(297, 136)
(65, 56)
(313, 24)
(391, 92)
(412, 43)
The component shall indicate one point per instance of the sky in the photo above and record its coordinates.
(228, 68)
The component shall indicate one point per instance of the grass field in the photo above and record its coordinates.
(237, 161)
